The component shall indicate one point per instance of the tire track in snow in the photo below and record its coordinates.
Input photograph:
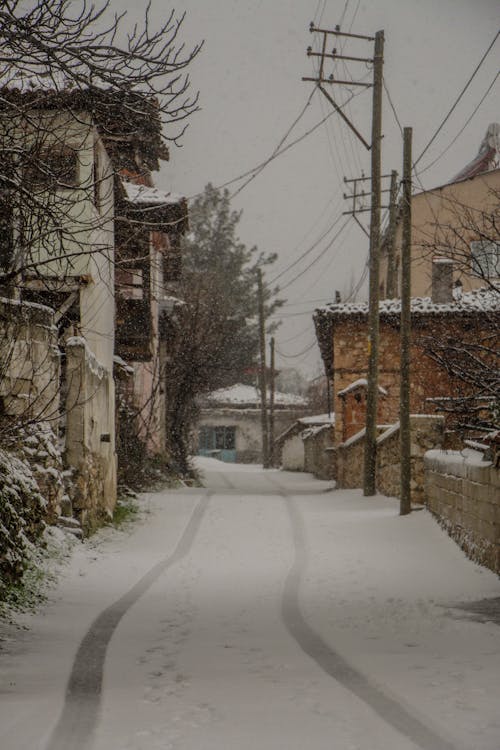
(81, 709)
(332, 662)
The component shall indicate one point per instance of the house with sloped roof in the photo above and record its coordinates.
(458, 222)
(449, 339)
(229, 426)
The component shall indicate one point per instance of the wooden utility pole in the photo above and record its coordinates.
(404, 409)
(375, 147)
(262, 372)
(272, 376)
(369, 482)
(392, 286)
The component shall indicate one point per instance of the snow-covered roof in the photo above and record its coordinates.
(149, 195)
(119, 362)
(359, 383)
(479, 300)
(248, 394)
(319, 419)
(487, 158)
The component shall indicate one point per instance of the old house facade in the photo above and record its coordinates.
(95, 244)
(341, 331)
(230, 428)
(457, 222)
(64, 253)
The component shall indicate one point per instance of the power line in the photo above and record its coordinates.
(306, 252)
(318, 257)
(276, 154)
(476, 108)
(298, 354)
(278, 147)
(458, 98)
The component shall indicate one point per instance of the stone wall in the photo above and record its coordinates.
(90, 434)
(29, 362)
(463, 492)
(426, 432)
(349, 458)
(317, 458)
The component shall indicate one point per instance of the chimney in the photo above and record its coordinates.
(442, 280)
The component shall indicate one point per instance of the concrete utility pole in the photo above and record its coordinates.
(375, 147)
(369, 484)
(392, 286)
(272, 377)
(404, 409)
(262, 372)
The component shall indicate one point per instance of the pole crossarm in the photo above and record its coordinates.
(331, 79)
(337, 32)
(322, 78)
(335, 56)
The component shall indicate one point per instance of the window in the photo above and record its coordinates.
(129, 283)
(55, 168)
(217, 438)
(485, 258)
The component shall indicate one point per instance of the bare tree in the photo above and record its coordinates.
(65, 66)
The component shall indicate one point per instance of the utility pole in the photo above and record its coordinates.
(360, 194)
(392, 288)
(272, 378)
(370, 467)
(262, 372)
(375, 147)
(404, 409)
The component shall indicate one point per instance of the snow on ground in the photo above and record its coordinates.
(293, 616)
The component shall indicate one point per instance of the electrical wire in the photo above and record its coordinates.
(318, 257)
(476, 108)
(299, 354)
(279, 146)
(306, 252)
(457, 100)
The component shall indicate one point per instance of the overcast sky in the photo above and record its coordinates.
(249, 76)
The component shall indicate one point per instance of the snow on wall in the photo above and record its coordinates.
(463, 492)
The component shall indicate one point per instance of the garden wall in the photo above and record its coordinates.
(463, 492)
(90, 435)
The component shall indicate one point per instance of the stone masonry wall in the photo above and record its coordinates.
(29, 362)
(428, 380)
(349, 459)
(426, 432)
(317, 459)
(90, 438)
(463, 492)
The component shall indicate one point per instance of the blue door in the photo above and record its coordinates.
(218, 442)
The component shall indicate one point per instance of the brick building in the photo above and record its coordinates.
(342, 335)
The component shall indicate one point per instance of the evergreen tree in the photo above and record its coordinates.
(214, 341)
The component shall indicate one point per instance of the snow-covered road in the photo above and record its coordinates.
(265, 611)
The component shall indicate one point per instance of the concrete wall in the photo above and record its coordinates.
(29, 361)
(90, 433)
(293, 454)
(464, 494)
